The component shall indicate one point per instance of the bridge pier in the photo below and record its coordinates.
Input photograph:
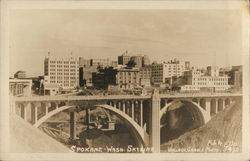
(133, 110)
(155, 125)
(213, 107)
(208, 109)
(220, 105)
(72, 125)
(46, 108)
(114, 104)
(141, 113)
(27, 112)
(34, 114)
(124, 106)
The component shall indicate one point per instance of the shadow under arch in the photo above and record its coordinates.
(196, 108)
(176, 119)
(138, 131)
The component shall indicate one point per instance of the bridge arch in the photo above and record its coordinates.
(195, 100)
(200, 112)
(50, 114)
(137, 128)
(183, 116)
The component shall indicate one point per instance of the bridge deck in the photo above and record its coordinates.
(121, 97)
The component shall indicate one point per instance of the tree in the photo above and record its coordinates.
(131, 64)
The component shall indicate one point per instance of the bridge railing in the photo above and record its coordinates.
(112, 97)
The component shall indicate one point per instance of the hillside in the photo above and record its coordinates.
(223, 133)
(24, 138)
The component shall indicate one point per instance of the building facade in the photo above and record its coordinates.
(85, 63)
(140, 60)
(163, 71)
(100, 62)
(124, 58)
(196, 80)
(20, 74)
(104, 78)
(235, 76)
(145, 76)
(20, 87)
(128, 78)
(61, 71)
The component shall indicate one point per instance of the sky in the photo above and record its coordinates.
(203, 37)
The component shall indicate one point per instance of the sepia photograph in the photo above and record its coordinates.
(133, 79)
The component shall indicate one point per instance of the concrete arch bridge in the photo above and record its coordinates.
(142, 113)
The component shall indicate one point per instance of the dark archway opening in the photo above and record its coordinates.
(121, 136)
(181, 117)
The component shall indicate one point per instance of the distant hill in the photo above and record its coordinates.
(223, 133)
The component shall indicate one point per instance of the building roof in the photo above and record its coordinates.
(128, 70)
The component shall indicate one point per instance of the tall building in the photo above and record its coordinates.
(20, 74)
(104, 78)
(163, 71)
(140, 60)
(196, 80)
(124, 58)
(100, 62)
(145, 76)
(82, 82)
(86, 75)
(128, 78)
(84, 62)
(61, 71)
(157, 73)
(96, 62)
(145, 60)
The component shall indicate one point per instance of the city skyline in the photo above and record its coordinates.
(109, 33)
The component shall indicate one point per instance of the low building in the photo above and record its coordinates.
(20, 74)
(20, 87)
(114, 64)
(145, 82)
(52, 89)
(235, 77)
(128, 78)
(195, 80)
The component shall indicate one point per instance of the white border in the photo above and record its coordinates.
(6, 6)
